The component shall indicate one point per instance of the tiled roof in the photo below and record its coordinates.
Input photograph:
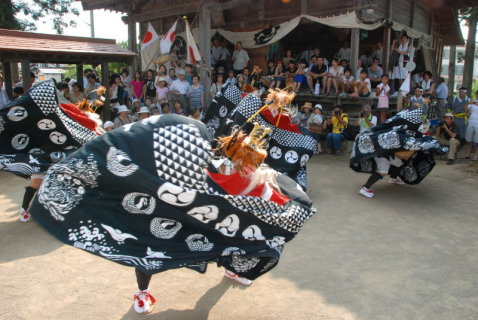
(20, 41)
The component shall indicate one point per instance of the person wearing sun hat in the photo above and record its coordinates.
(316, 126)
(161, 90)
(108, 126)
(302, 118)
(123, 117)
(143, 113)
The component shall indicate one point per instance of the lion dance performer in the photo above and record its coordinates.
(399, 147)
(41, 128)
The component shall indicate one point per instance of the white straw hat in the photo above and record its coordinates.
(108, 124)
(143, 110)
(122, 108)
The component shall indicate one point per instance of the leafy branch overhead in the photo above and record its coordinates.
(33, 11)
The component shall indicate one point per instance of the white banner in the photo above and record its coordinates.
(260, 38)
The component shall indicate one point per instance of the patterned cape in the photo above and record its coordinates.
(401, 132)
(41, 128)
(288, 151)
(141, 196)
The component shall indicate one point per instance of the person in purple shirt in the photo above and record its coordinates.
(179, 109)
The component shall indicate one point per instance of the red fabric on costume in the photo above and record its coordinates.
(234, 184)
(285, 122)
(79, 116)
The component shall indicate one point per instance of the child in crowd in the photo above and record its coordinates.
(179, 109)
(136, 106)
(383, 92)
(165, 108)
(300, 77)
(363, 86)
(161, 90)
(316, 126)
(143, 113)
(347, 82)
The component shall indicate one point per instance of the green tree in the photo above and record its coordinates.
(470, 15)
(34, 10)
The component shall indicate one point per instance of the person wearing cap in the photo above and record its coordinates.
(339, 121)
(447, 133)
(417, 101)
(472, 128)
(108, 126)
(123, 117)
(180, 89)
(457, 107)
(161, 90)
(143, 113)
(316, 126)
(136, 105)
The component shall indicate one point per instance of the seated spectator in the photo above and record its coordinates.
(427, 84)
(179, 109)
(318, 74)
(316, 126)
(77, 95)
(154, 111)
(447, 134)
(269, 78)
(64, 89)
(231, 77)
(123, 117)
(416, 79)
(165, 108)
(18, 92)
(472, 128)
(300, 77)
(375, 73)
(247, 73)
(216, 86)
(136, 105)
(143, 113)
(148, 102)
(302, 118)
(279, 76)
(288, 57)
(417, 101)
(290, 74)
(344, 64)
(347, 82)
(334, 76)
(344, 52)
(108, 126)
(378, 53)
(91, 83)
(255, 77)
(366, 119)
(196, 114)
(339, 122)
(240, 81)
(362, 86)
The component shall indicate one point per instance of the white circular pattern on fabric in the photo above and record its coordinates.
(198, 242)
(57, 137)
(303, 161)
(365, 144)
(204, 214)
(244, 264)
(232, 251)
(223, 111)
(275, 152)
(389, 140)
(164, 228)
(119, 163)
(175, 195)
(17, 113)
(291, 156)
(57, 156)
(36, 151)
(46, 124)
(229, 225)
(20, 141)
(139, 203)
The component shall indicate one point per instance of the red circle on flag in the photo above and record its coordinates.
(147, 37)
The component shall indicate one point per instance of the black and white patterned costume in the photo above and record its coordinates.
(401, 132)
(140, 196)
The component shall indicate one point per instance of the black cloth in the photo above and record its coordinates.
(318, 69)
(139, 196)
(28, 196)
(142, 279)
(36, 132)
(150, 88)
(401, 132)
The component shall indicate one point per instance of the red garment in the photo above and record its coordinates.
(79, 116)
(235, 184)
(285, 122)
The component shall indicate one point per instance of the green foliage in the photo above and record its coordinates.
(34, 10)
(460, 56)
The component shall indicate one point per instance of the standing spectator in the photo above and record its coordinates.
(240, 58)
(399, 71)
(318, 74)
(162, 71)
(347, 82)
(217, 53)
(375, 73)
(315, 126)
(366, 119)
(458, 107)
(161, 90)
(180, 89)
(76, 95)
(149, 89)
(362, 86)
(344, 52)
(196, 95)
(116, 91)
(86, 72)
(441, 92)
(137, 86)
(472, 128)
(126, 81)
(378, 54)
(216, 86)
(339, 122)
(4, 100)
(288, 57)
(189, 73)
(447, 134)
(91, 83)
(171, 76)
(427, 84)
(366, 59)
(383, 92)
(334, 76)
(179, 108)
(123, 117)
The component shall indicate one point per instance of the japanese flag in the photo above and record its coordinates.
(167, 39)
(193, 56)
(150, 37)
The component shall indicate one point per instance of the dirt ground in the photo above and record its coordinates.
(410, 253)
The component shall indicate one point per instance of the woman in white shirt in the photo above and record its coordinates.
(335, 73)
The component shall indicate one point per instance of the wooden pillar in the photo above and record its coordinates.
(387, 33)
(205, 47)
(412, 13)
(14, 71)
(106, 83)
(451, 71)
(79, 74)
(27, 81)
(355, 43)
(7, 76)
(132, 42)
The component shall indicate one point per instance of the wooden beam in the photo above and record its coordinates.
(105, 79)
(387, 34)
(27, 81)
(162, 12)
(355, 43)
(7, 76)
